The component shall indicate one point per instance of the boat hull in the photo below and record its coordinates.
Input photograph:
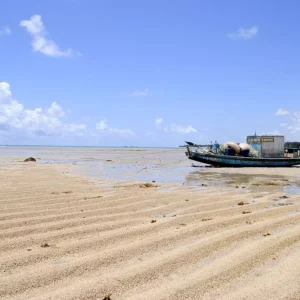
(240, 162)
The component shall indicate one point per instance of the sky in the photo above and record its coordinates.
(148, 73)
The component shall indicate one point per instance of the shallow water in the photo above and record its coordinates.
(164, 166)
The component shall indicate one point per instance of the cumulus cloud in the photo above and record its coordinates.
(40, 42)
(141, 93)
(182, 129)
(5, 31)
(243, 33)
(103, 128)
(282, 112)
(292, 126)
(173, 127)
(274, 132)
(37, 122)
(158, 122)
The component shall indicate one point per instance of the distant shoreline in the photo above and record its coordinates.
(107, 147)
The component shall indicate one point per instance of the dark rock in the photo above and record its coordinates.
(29, 159)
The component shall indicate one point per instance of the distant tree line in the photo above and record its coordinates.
(292, 145)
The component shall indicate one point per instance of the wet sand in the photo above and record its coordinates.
(80, 224)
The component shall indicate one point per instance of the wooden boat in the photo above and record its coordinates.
(221, 160)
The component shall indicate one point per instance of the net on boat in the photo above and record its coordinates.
(254, 153)
(243, 149)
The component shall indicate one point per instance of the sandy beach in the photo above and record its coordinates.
(145, 224)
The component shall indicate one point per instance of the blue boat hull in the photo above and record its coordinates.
(238, 161)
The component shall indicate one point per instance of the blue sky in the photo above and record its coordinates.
(148, 73)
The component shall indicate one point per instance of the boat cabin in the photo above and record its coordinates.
(268, 146)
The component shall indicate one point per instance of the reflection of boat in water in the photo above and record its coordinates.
(240, 161)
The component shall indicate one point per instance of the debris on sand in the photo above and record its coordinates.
(270, 184)
(266, 234)
(284, 204)
(45, 245)
(148, 185)
(283, 197)
(246, 212)
(30, 159)
(243, 203)
(67, 192)
(203, 184)
(153, 221)
(108, 160)
(206, 219)
(96, 197)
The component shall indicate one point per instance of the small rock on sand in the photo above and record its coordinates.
(29, 159)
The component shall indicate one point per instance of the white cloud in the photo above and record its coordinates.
(282, 112)
(103, 128)
(174, 128)
(141, 93)
(5, 93)
(243, 33)
(296, 115)
(55, 110)
(37, 122)
(274, 132)
(158, 122)
(40, 43)
(183, 130)
(293, 127)
(101, 125)
(5, 31)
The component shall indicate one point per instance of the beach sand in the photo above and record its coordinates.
(70, 233)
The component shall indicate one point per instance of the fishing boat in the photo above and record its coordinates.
(259, 151)
(221, 160)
